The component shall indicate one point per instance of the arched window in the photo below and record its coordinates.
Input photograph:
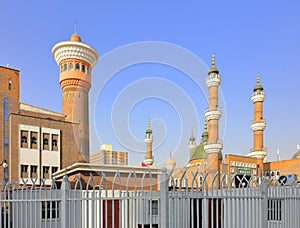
(65, 67)
(83, 68)
(71, 66)
(61, 68)
(77, 66)
(9, 84)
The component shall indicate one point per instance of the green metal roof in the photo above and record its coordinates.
(199, 152)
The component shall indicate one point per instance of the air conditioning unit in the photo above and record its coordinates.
(289, 179)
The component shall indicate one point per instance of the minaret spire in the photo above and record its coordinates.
(258, 125)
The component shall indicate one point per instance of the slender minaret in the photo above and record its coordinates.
(258, 125)
(212, 115)
(76, 60)
(192, 143)
(149, 139)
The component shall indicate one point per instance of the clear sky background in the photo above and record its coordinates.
(246, 37)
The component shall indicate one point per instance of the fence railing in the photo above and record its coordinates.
(198, 200)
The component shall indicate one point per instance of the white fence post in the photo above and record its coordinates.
(164, 203)
(65, 191)
(264, 204)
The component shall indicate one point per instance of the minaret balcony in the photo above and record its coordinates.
(213, 147)
(213, 79)
(258, 96)
(149, 140)
(258, 153)
(149, 161)
(213, 114)
(259, 125)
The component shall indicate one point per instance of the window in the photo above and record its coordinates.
(9, 84)
(71, 66)
(83, 68)
(77, 66)
(87, 70)
(45, 141)
(61, 68)
(54, 142)
(54, 170)
(50, 209)
(24, 139)
(65, 67)
(24, 168)
(33, 169)
(45, 169)
(33, 140)
(153, 207)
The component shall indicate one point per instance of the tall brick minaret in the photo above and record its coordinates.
(76, 60)
(258, 125)
(148, 140)
(212, 115)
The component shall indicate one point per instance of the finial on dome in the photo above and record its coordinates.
(170, 154)
(213, 68)
(205, 126)
(258, 86)
(75, 38)
(258, 79)
(149, 131)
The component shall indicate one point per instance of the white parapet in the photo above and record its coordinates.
(258, 96)
(213, 79)
(258, 125)
(213, 114)
(258, 154)
(74, 50)
(213, 148)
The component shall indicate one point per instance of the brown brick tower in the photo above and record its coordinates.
(149, 139)
(212, 115)
(76, 60)
(258, 125)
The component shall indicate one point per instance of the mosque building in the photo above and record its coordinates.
(206, 157)
(39, 144)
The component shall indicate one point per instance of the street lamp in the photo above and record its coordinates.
(5, 168)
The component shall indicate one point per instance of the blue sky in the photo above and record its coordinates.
(246, 37)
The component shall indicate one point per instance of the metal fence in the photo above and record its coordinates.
(204, 200)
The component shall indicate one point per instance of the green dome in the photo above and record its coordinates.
(258, 87)
(192, 138)
(199, 152)
(149, 131)
(213, 69)
(205, 134)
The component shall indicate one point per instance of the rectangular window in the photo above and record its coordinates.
(50, 209)
(55, 142)
(33, 140)
(24, 171)
(54, 170)
(33, 171)
(46, 172)
(153, 207)
(46, 137)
